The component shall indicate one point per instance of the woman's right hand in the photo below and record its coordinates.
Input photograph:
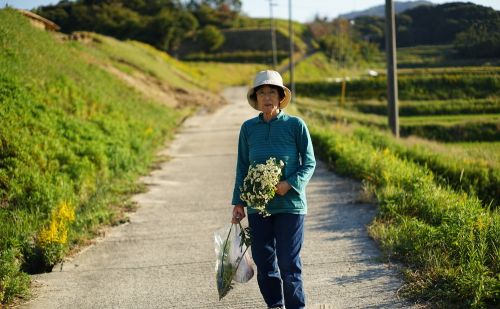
(238, 213)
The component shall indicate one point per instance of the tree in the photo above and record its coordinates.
(211, 38)
(117, 20)
(161, 23)
(427, 24)
(168, 28)
(222, 14)
(481, 40)
(233, 5)
(371, 28)
(341, 43)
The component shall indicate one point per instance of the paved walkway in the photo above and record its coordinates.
(164, 258)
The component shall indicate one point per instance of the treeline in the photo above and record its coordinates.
(161, 23)
(473, 29)
(166, 24)
(341, 42)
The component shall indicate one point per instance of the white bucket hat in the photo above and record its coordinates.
(268, 77)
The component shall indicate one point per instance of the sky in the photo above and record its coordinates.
(302, 10)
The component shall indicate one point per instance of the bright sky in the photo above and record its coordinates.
(305, 10)
(302, 10)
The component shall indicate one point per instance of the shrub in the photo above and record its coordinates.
(481, 40)
(73, 141)
(211, 37)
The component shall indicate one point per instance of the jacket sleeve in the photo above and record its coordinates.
(299, 180)
(242, 165)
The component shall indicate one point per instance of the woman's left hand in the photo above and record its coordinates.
(282, 187)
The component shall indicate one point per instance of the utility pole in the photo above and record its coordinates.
(392, 75)
(342, 30)
(290, 56)
(273, 34)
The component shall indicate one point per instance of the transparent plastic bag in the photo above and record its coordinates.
(233, 260)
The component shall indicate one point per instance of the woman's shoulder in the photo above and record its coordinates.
(249, 122)
(295, 120)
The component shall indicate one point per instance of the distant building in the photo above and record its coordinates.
(40, 22)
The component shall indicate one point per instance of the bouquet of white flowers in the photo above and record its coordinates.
(260, 184)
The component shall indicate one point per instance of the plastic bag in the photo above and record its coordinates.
(233, 260)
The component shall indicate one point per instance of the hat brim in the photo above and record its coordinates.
(283, 103)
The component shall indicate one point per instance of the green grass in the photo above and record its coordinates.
(463, 170)
(300, 30)
(446, 104)
(431, 107)
(255, 57)
(478, 176)
(410, 87)
(449, 119)
(449, 128)
(73, 141)
(448, 242)
(347, 112)
(132, 57)
(456, 70)
(436, 56)
(315, 68)
(423, 55)
(219, 74)
(318, 68)
(489, 152)
(135, 57)
(482, 153)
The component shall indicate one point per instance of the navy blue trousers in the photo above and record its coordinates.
(276, 244)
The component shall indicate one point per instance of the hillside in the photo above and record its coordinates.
(154, 74)
(82, 117)
(256, 47)
(379, 10)
(471, 28)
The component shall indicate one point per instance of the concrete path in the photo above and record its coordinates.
(164, 258)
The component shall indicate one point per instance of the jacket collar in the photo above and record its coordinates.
(280, 115)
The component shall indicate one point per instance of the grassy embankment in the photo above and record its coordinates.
(429, 214)
(149, 66)
(73, 141)
(448, 240)
(77, 130)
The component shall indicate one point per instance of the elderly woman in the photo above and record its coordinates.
(277, 239)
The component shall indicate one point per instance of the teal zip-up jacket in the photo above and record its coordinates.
(286, 138)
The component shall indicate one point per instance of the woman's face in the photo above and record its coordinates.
(268, 99)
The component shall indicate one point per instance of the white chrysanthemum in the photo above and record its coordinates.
(260, 183)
